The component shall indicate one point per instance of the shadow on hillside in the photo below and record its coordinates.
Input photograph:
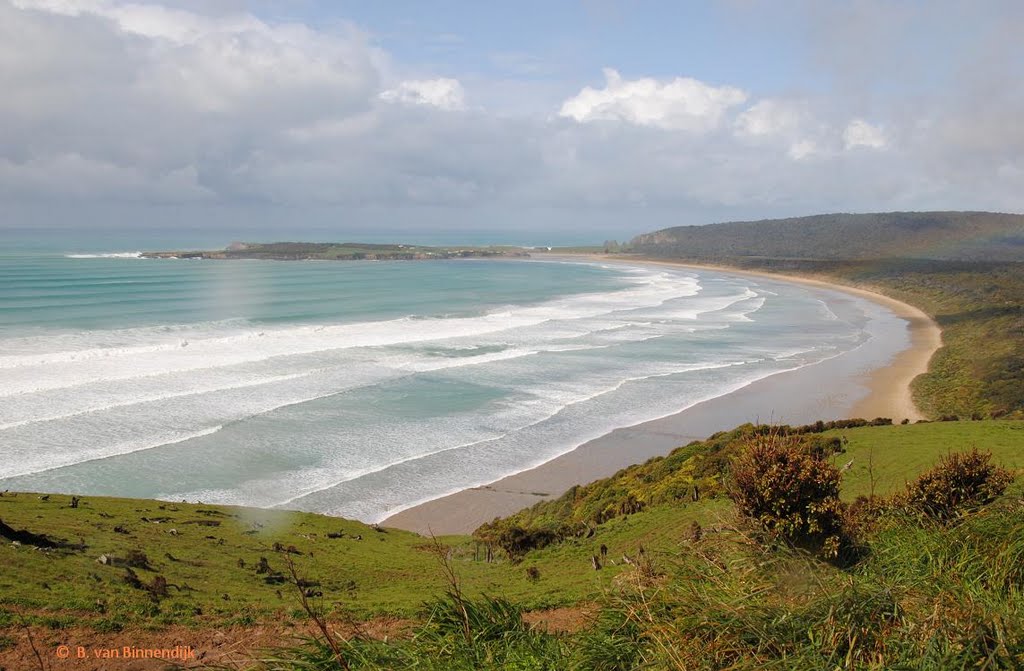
(981, 314)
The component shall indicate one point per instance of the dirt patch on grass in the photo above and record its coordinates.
(568, 620)
(233, 646)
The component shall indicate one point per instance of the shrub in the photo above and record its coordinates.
(517, 539)
(862, 515)
(789, 491)
(822, 447)
(960, 482)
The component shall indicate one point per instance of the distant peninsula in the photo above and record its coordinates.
(339, 251)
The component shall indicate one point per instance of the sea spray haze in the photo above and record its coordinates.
(360, 388)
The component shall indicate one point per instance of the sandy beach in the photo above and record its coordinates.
(851, 385)
(890, 385)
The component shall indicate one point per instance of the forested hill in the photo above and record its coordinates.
(965, 269)
(925, 235)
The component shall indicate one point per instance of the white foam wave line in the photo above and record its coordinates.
(714, 305)
(158, 397)
(377, 469)
(610, 331)
(112, 451)
(728, 301)
(454, 363)
(108, 255)
(361, 473)
(679, 272)
(33, 385)
(614, 327)
(426, 367)
(492, 357)
(413, 367)
(829, 314)
(655, 336)
(528, 467)
(307, 339)
(403, 364)
(581, 441)
(150, 446)
(67, 340)
(743, 315)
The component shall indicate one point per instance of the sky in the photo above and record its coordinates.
(530, 122)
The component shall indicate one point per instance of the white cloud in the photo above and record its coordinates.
(771, 117)
(679, 104)
(149, 20)
(232, 63)
(802, 149)
(154, 99)
(444, 93)
(788, 124)
(107, 102)
(860, 133)
(79, 177)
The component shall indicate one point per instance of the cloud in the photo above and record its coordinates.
(802, 149)
(860, 133)
(770, 117)
(148, 20)
(76, 176)
(680, 104)
(786, 123)
(108, 102)
(443, 93)
(155, 93)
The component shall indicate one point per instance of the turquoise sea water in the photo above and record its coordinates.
(361, 388)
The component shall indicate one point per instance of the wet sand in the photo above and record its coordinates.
(851, 385)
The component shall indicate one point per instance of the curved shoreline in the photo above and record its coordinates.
(890, 393)
(887, 395)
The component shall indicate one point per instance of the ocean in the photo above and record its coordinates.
(362, 388)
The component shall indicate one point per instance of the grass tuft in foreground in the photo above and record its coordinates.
(924, 591)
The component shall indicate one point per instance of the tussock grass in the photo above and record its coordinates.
(925, 596)
(497, 639)
(922, 591)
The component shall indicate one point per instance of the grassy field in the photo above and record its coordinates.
(213, 570)
(889, 456)
(915, 593)
(210, 555)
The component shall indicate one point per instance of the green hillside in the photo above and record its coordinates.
(697, 586)
(980, 236)
(884, 454)
(201, 566)
(979, 372)
(965, 269)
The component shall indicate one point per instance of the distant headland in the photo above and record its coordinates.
(339, 251)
